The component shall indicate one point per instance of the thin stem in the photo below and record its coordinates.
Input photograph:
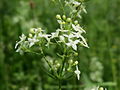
(45, 58)
(60, 84)
(62, 7)
(63, 63)
(75, 15)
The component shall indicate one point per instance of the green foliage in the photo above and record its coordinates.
(19, 72)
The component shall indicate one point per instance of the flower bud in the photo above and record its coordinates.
(76, 22)
(32, 30)
(69, 20)
(63, 22)
(39, 29)
(30, 35)
(58, 16)
(101, 88)
(78, 25)
(58, 65)
(76, 54)
(69, 69)
(64, 17)
(76, 62)
(70, 61)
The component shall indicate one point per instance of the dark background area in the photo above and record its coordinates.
(24, 72)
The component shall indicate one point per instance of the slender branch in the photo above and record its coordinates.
(62, 7)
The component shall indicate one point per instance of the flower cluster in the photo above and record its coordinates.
(69, 33)
(76, 6)
(68, 36)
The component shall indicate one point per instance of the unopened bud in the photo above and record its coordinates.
(69, 69)
(70, 61)
(64, 17)
(63, 22)
(69, 20)
(76, 62)
(32, 30)
(76, 54)
(30, 35)
(101, 88)
(58, 65)
(39, 29)
(58, 16)
(76, 22)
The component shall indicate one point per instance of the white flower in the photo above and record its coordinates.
(47, 37)
(59, 21)
(73, 44)
(20, 50)
(78, 28)
(22, 39)
(76, 3)
(61, 30)
(69, 36)
(83, 8)
(36, 30)
(77, 72)
(62, 38)
(32, 41)
(24, 44)
(83, 42)
(54, 34)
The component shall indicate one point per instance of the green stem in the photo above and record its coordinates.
(45, 58)
(75, 15)
(60, 85)
(62, 7)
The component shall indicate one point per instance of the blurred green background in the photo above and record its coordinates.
(100, 64)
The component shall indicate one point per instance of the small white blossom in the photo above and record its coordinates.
(83, 41)
(78, 28)
(83, 8)
(59, 21)
(20, 50)
(73, 44)
(22, 38)
(76, 3)
(54, 34)
(69, 36)
(23, 45)
(61, 30)
(47, 37)
(77, 72)
(62, 38)
(32, 41)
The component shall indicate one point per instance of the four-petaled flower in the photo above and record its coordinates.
(22, 39)
(73, 44)
(32, 41)
(77, 72)
(78, 29)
